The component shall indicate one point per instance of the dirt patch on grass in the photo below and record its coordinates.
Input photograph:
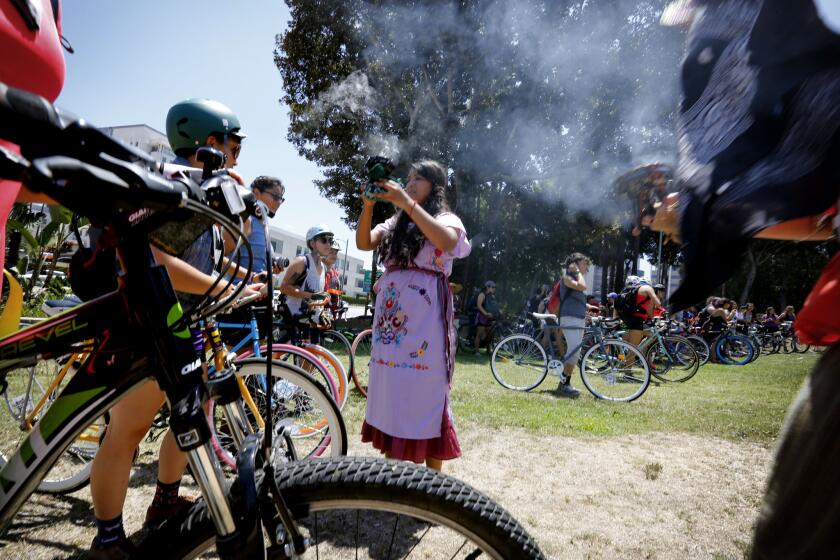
(651, 496)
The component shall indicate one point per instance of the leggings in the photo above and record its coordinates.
(573, 333)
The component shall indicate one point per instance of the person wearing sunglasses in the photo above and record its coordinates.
(270, 191)
(305, 279)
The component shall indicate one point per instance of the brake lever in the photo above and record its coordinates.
(13, 166)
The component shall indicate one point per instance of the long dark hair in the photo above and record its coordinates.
(401, 244)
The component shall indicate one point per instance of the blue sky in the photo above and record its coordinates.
(134, 60)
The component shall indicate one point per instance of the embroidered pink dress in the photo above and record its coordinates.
(408, 413)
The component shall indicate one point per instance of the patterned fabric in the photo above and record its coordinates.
(757, 131)
(412, 354)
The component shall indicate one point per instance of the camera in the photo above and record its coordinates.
(281, 262)
(378, 167)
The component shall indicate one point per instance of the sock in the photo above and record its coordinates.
(166, 494)
(109, 530)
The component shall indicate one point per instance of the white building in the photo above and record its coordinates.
(290, 245)
(144, 137)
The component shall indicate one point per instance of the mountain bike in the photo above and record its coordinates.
(610, 369)
(139, 332)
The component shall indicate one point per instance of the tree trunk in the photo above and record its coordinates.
(748, 283)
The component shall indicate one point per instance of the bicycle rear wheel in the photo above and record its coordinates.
(615, 370)
(361, 359)
(673, 359)
(519, 362)
(28, 397)
(370, 508)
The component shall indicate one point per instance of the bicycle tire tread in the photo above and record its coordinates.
(377, 479)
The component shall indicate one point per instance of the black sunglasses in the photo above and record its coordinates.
(277, 197)
(324, 239)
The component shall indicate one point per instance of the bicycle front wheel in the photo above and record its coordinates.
(519, 362)
(734, 350)
(615, 370)
(299, 402)
(370, 508)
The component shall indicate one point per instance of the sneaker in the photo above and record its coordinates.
(121, 549)
(566, 390)
(156, 515)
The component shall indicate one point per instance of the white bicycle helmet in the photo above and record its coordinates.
(315, 231)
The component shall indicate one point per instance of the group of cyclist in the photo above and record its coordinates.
(719, 312)
(190, 125)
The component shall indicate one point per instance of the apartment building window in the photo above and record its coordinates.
(277, 245)
(299, 251)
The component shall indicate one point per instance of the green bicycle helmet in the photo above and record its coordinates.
(190, 122)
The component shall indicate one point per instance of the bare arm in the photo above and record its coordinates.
(287, 287)
(366, 240)
(479, 304)
(812, 228)
(186, 278)
(441, 236)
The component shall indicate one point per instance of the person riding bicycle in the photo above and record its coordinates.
(303, 280)
(635, 305)
(190, 124)
(486, 312)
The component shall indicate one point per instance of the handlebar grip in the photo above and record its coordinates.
(24, 115)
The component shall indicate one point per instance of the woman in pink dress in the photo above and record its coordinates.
(408, 415)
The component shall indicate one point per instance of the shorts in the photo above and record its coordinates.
(634, 323)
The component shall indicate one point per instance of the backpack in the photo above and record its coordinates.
(555, 301)
(625, 303)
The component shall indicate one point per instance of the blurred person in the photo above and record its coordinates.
(487, 310)
(759, 155)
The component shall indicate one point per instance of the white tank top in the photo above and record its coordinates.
(313, 282)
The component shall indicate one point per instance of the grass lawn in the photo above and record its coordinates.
(735, 403)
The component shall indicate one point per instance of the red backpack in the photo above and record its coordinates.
(555, 301)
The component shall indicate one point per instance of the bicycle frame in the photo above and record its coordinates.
(124, 332)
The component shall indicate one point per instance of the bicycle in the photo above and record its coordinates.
(140, 332)
(28, 396)
(732, 348)
(467, 332)
(304, 412)
(790, 341)
(671, 358)
(610, 369)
